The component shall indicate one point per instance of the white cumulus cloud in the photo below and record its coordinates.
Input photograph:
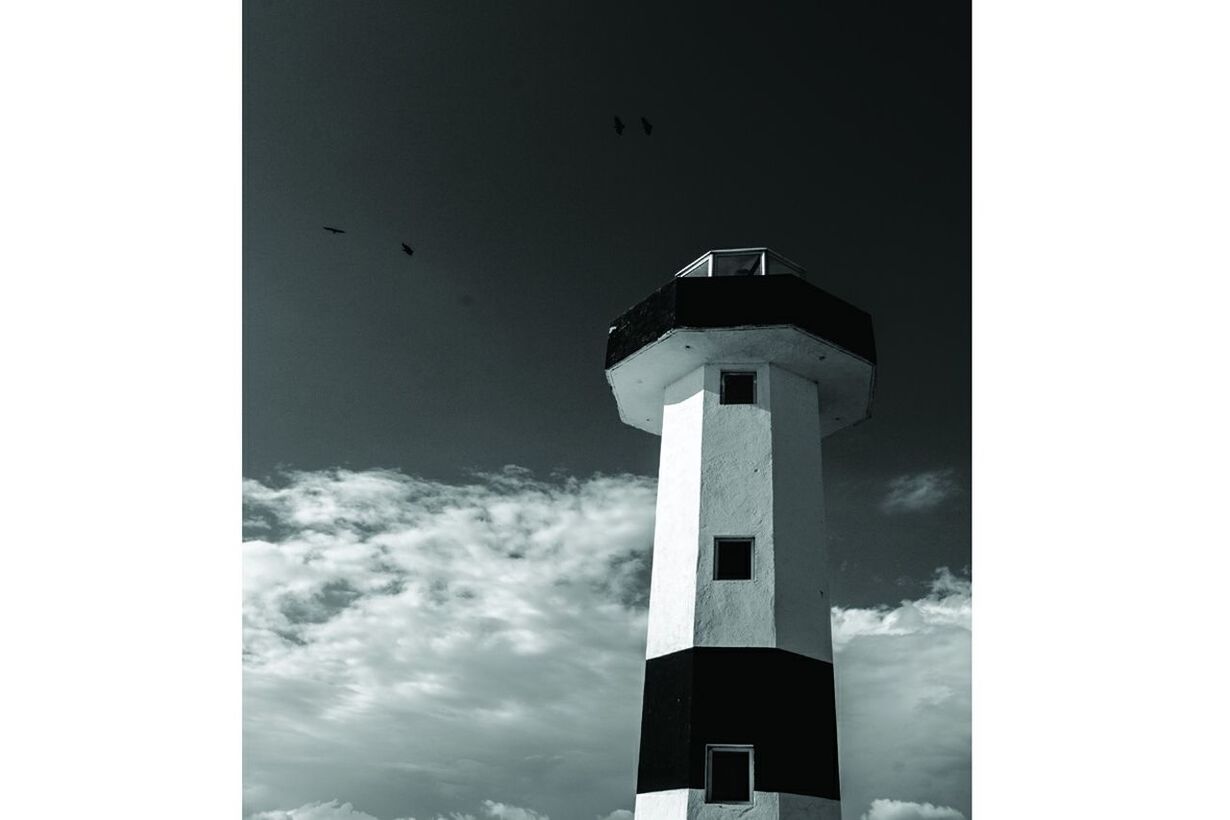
(433, 644)
(332, 810)
(903, 697)
(899, 810)
(920, 491)
(503, 812)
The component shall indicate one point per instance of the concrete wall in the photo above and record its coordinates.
(736, 499)
(740, 470)
(689, 804)
(672, 585)
(801, 557)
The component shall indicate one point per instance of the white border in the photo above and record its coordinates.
(119, 321)
(1101, 215)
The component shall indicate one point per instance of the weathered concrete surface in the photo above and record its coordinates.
(846, 381)
(672, 586)
(678, 804)
(740, 470)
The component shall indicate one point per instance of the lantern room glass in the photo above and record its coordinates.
(742, 262)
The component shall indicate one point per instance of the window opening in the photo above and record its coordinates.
(738, 387)
(728, 774)
(732, 559)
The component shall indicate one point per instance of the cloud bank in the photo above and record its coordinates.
(431, 650)
(428, 646)
(903, 699)
(333, 810)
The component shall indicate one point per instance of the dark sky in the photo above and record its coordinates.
(481, 133)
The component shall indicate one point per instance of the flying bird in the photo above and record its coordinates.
(619, 126)
(409, 251)
(647, 125)
(333, 230)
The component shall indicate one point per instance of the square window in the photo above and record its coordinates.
(732, 559)
(738, 388)
(728, 774)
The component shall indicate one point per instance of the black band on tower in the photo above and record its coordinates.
(779, 702)
(741, 301)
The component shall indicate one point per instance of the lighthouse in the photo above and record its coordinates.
(742, 367)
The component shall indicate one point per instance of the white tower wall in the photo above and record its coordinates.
(676, 530)
(689, 804)
(800, 551)
(740, 470)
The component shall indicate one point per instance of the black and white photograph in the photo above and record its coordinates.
(528, 410)
(552, 316)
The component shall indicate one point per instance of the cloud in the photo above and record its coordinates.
(331, 810)
(948, 604)
(903, 698)
(432, 644)
(427, 646)
(921, 491)
(503, 812)
(898, 810)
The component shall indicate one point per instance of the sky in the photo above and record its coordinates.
(448, 403)
(416, 648)
(481, 133)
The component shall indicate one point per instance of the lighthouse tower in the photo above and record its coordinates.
(742, 367)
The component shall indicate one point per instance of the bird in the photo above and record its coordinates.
(409, 251)
(647, 125)
(333, 230)
(619, 126)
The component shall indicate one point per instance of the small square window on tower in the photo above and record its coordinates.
(732, 559)
(728, 774)
(738, 387)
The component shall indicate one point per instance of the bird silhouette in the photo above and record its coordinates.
(409, 251)
(647, 125)
(333, 230)
(619, 126)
